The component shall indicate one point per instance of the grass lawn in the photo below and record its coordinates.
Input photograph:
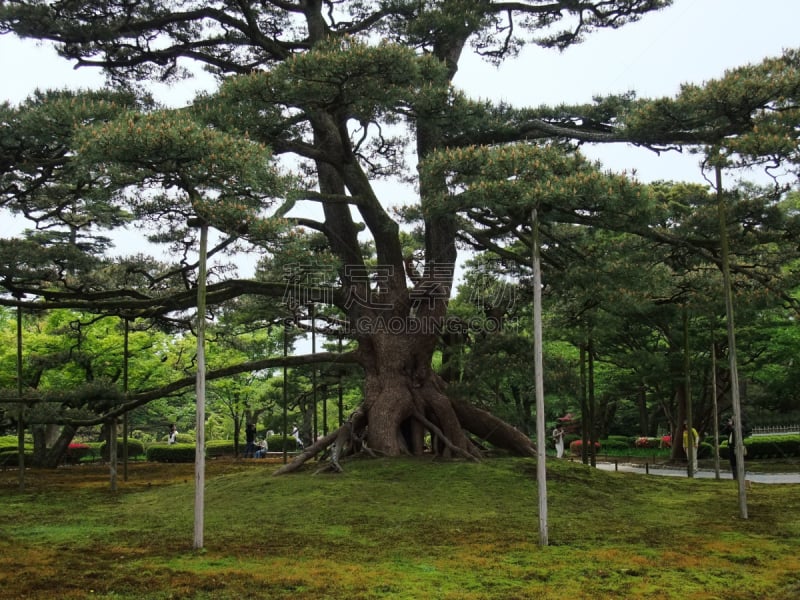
(400, 529)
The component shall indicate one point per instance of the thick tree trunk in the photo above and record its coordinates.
(677, 453)
(49, 457)
(644, 422)
(400, 396)
(407, 410)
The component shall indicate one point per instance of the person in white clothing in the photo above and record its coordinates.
(558, 438)
(296, 436)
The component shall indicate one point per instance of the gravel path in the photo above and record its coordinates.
(702, 473)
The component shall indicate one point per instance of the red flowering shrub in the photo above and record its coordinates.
(76, 451)
(575, 447)
(648, 442)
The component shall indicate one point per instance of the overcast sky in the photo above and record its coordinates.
(690, 42)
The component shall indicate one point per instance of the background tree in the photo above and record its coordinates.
(243, 397)
(72, 372)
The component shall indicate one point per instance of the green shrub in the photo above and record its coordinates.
(705, 450)
(627, 440)
(135, 448)
(276, 443)
(96, 447)
(216, 448)
(181, 438)
(614, 443)
(143, 436)
(767, 446)
(171, 453)
(9, 442)
(10, 458)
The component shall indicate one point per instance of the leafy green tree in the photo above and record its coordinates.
(72, 373)
(243, 397)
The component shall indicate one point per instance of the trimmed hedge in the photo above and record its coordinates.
(767, 446)
(171, 453)
(9, 442)
(627, 440)
(275, 443)
(615, 444)
(183, 438)
(217, 448)
(10, 458)
(135, 448)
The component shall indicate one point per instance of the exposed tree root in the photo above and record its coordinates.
(442, 438)
(348, 439)
(308, 453)
(497, 432)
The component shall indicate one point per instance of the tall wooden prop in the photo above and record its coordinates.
(592, 400)
(285, 392)
(112, 453)
(200, 448)
(125, 364)
(584, 408)
(726, 284)
(21, 413)
(340, 403)
(315, 430)
(541, 446)
(716, 409)
(687, 393)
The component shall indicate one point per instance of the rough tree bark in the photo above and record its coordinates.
(50, 456)
(407, 410)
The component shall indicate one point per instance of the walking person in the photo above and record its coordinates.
(729, 430)
(296, 436)
(691, 452)
(250, 438)
(173, 434)
(558, 438)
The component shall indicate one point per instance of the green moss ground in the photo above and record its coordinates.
(400, 529)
